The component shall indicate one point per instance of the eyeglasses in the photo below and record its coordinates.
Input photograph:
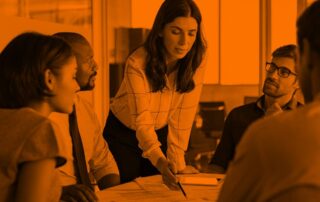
(282, 71)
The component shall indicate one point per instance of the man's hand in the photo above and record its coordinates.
(78, 193)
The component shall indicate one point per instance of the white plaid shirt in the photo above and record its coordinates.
(100, 161)
(144, 111)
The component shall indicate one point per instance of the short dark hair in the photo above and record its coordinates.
(156, 66)
(288, 51)
(23, 63)
(308, 27)
(73, 38)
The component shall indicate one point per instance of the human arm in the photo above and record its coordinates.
(34, 180)
(40, 155)
(180, 122)
(167, 171)
(141, 102)
(102, 163)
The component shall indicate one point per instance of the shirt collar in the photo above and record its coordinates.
(292, 104)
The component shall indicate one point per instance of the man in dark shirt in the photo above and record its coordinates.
(279, 88)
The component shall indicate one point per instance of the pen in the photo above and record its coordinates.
(180, 187)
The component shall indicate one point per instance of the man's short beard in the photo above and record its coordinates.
(88, 86)
(273, 95)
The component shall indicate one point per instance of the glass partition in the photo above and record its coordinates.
(71, 12)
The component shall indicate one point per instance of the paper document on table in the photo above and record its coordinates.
(151, 184)
(200, 179)
(141, 196)
(152, 189)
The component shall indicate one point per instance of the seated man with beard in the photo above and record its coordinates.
(278, 157)
(89, 160)
(279, 88)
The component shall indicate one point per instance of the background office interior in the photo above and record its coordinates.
(240, 37)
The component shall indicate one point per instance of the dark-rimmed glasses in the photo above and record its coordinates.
(282, 71)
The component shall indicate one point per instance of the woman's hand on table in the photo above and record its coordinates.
(167, 171)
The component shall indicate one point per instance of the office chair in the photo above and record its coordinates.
(213, 115)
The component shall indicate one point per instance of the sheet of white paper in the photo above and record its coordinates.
(152, 189)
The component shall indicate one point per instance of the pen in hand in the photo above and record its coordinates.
(180, 187)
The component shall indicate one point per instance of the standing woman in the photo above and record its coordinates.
(149, 124)
(37, 77)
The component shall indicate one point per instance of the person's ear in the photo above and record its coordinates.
(49, 80)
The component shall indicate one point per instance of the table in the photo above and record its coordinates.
(152, 189)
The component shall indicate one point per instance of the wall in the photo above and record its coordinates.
(239, 42)
(143, 18)
(283, 23)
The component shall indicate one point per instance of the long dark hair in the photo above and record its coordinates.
(156, 67)
(22, 66)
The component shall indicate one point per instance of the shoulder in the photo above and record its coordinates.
(24, 122)
(31, 118)
(30, 124)
(138, 58)
(81, 102)
(39, 138)
(84, 107)
(43, 125)
(282, 137)
(243, 109)
(278, 128)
